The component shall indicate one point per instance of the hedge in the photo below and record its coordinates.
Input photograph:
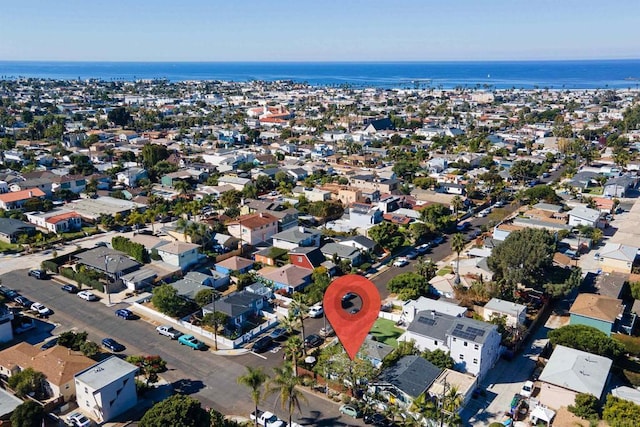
(133, 249)
(82, 279)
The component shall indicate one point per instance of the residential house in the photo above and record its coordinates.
(514, 314)
(615, 257)
(618, 187)
(8, 404)
(342, 252)
(362, 243)
(239, 306)
(405, 381)
(373, 182)
(139, 279)
(287, 217)
(377, 125)
(452, 188)
(448, 379)
(56, 220)
(16, 199)
(289, 277)
(412, 307)
(598, 311)
(225, 241)
(179, 254)
(474, 345)
(11, 229)
(298, 236)
(43, 184)
(374, 352)
(74, 183)
(234, 181)
(306, 257)
(270, 256)
(582, 215)
(131, 176)
(362, 215)
(234, 264)
(107, 389)
(569, 372)
(114, 264)
(253, 228)
(312, 194)
(58, 364)
(195, 281)
(6, 325)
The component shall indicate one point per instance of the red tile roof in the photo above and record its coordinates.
(57, 218)
(15, 196)
(255, 221)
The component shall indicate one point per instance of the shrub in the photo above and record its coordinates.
(135, 250)
(49, 265)
(586, 406)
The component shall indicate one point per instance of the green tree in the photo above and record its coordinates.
(254, 379)
(285, 385)
(72, 340)
(409, 286)
(27, 414)
(457, 244)
(586, 338)
(119, 116)
(299, 310)
(89, 348)
(523, 170)
(182, 187)
(293, 348)
(586, 406)
(457, 203)
(426, 268)
(204, 297)
(28, 381)
(152, 154)
(440, 358)
(620, 413)
(150, 366)
(524, 257)
(166, 299)
(177, 410)
(387, 235)
(231, 198)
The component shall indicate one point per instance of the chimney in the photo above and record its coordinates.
(30, 193)
(301, 229)
(433, 314)
(261, 215)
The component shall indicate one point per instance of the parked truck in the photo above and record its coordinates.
(266, 419)
(169, 331)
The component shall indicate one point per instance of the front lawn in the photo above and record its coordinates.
(445, 270)
(9, 247)
(385, 331)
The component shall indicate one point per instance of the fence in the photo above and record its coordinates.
(390, 316)
(197, 330)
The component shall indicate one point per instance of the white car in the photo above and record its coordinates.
(400, 262)
(527, 389)
(78, 420)
(40, 308)
(316, 311)
(87, 295)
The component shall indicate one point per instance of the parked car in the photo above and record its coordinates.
(191, 341)
(316, 311)
(125, 314)
(348, 296)
(263, 344)
(8, 293)
(169, 331)
(41, 309)
(376, 419)
(23, 301)
(400, 262)
(327, 331)
(463, 226)
(48, 344)
(101, 244)
(112, 345)
(527, 389)
(438, 240)
(349, 410)
(596, 256)
(87, 295)
(313, 340)
(38, 274)
(77, 419)
(279, 334)
(72, 289)
(413, 254)
(423, 249)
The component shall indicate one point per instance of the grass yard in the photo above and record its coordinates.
(595, 191)
(385, 331)
(445, 270)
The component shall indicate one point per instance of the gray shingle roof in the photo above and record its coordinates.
(411, 374)
(438, 326)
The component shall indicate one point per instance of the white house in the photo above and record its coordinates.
(180, 254)
(412, 307)
(106, 389)
(581, 215)
(474, 345)
(515, 314)
(56, 221)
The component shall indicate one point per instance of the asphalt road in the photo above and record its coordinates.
(208, 377)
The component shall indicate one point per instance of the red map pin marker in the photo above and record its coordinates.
(351, 329)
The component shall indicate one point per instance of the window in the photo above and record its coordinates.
(299, 259)
(465, 343)
(476, 347)
(475, 361)
(435, 342)
(86, 390)
(454, 339)
(461, 357)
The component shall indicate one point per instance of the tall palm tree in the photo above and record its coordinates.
(254, 379)
(182, 187)
(449, 405)
(426, 407)
(284, 383)
(457, 204)
(300, 310)
(457, 244)
(183, 225)
(293, 351)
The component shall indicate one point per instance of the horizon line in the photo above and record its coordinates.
(313, 61)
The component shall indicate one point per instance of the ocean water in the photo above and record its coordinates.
(586, 74)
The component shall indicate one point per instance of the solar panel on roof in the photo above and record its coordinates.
(427, 321)
(475, 331)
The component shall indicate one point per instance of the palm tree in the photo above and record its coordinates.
(285, 385)
(183, 225)
(457, 204)
(426, 407)
(182, 187)
(300, 311)
(457, 244)
(254, 379)
(449, 404)
(426, 268)
(293, 351)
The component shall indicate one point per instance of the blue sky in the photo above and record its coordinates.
(320, 30)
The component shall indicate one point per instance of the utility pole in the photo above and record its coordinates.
(215, 323)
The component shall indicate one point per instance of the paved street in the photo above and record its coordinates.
(210, 378)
